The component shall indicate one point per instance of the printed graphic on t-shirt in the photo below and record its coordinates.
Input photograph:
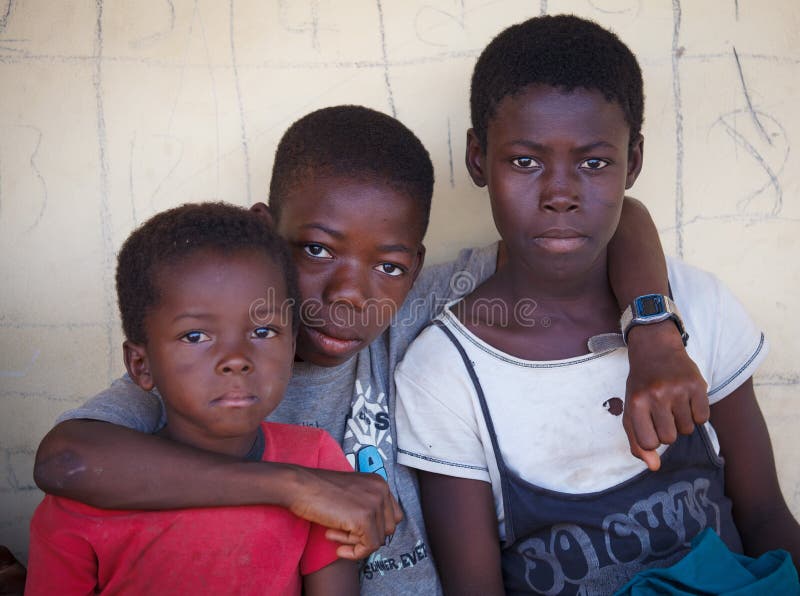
(367, 437)
(368, 446)
(658, 527)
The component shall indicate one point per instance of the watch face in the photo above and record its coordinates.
(650, 305)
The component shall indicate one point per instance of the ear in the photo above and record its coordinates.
(137, 364)
(635, 159)
(263, 210)
(474, 158)
(420, 262)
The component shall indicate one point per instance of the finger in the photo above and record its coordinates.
(341, 536)
(638, 424)
(684, 420)
(392, 513)
(650, 457)
(698, 400)
(347, 551)
(664, 421)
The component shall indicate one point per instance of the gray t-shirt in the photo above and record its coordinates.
(355, 403)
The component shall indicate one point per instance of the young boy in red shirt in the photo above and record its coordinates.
(207, 295)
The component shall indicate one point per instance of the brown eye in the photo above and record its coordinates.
(194, 337)
(263, 333)
(390, 269)
(317, 250)
(594, 163)
(526, 163)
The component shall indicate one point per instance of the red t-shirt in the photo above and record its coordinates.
(77, 549)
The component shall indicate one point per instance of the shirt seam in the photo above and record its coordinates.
(437, 460)
(741, 369)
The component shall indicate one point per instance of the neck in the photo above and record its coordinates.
(558, 284)
(238, 446)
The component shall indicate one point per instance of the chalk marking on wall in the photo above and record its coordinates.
(105, 212)
(177, 161)
(23, 372)
(19, 149)
(777, 380)
(5, 14)
(750, 148)
(750, 108)
(312, 25)
(210, 68)
(450, 155)
(11, 475)
(240, 104)
(677, 51)
(422, 33)
(596, 5)
(169, 28)
(69, 400)
(131, 194)
(384, 53)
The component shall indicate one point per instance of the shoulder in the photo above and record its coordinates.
(431, 350)
(459, 276)
(303, 446)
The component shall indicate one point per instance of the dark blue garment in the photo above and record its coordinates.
(593, 543)
(710, 568)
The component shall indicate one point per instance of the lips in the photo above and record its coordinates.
(235, 399)
(560, 240)
(330, 341)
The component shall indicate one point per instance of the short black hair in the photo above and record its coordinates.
(562, 51)
(173, 235)
(357, 142)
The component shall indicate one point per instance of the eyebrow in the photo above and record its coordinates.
(339, 236)
(193, 315)
(582, 149)
(327, 230)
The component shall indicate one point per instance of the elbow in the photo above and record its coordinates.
(59, 462)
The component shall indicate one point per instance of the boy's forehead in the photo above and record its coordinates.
(534, 102)
(209, 265)
(333, 201)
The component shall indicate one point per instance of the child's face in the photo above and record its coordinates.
(556, 166)
(358, 248)
(219, 347)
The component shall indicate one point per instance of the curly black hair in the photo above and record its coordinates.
(562, 51)
(177, 233)
(357, 142)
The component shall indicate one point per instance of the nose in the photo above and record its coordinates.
(560, 190)
(348, 284)
(235, 362)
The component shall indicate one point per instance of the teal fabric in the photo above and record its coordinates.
(710, 568)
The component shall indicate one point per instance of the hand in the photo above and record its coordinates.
(358, 509)
(665, 393)
(12, 574)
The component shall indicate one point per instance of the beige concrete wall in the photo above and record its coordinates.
(112, 111)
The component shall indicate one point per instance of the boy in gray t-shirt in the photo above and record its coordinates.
(351, 192)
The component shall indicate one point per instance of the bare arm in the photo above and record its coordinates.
(759, 510)
(113, 467)
(340, 578)
(665, 394)
(468, 559)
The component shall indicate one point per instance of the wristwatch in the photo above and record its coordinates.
(650, 309)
